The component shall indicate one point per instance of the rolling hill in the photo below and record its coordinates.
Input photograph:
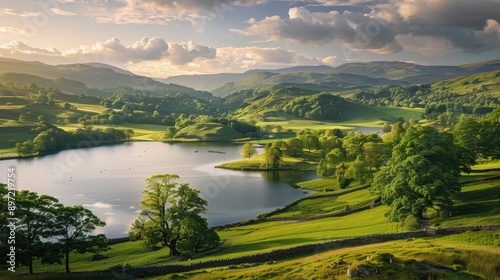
(208, 132)
(211, 82)
(314, 81)
(92, 75)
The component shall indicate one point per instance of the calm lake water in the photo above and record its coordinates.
(109, 180)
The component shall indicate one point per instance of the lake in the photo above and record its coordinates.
(109, 180)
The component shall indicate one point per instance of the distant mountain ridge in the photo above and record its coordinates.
(315, 81)
(210, 82)
(392, 70)
(93, 75)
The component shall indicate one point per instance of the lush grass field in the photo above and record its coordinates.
(477, 204)
(327, 205)
(363, 116)
(307, 161)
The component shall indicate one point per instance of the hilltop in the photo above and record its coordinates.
(90, 78)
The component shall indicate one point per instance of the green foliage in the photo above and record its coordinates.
(73, 226)
(42, 220)
(422, 173)
(272, 157)
(171, 216)
(51, 139)
(294, 147)
(411, 223)
(248, 150)
(317, 107)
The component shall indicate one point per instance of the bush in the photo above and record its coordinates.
(411, 223)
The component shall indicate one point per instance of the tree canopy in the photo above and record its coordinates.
(422, 173)
(170, 216)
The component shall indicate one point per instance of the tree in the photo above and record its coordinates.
(375, 154)
(422, 173)
(171, 216)
(129, 133)
(26, 117)
(466, 138)
(272, 157)
(358, 170)
(248, 150)
(328, 165)
(386, 127)
(36, 220)
(74, 223)
(342, 179)
(294, 147)
(170, 133)
(311, 141)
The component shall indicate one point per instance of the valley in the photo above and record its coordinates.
(375, 135)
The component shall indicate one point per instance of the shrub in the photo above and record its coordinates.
(411, 223)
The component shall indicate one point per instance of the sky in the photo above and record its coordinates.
(162, 38)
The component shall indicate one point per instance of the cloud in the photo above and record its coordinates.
(12, 30)
(167, 11)
(354, 30)
(17, 47)
(470, 26)
(425, 45)
(193, 7)
(112, 49)
(230, 59)
(60, 12)
(184, 53)
(492, 27)
(12, 12)
(449, 13)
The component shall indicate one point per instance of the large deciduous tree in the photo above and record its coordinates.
(36, 220)
(74, 224)
(422, 173)
(171, 216)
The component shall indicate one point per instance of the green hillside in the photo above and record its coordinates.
(273, 107)
(208, 132)
(487, 83)
(74, 77)
(314, 81)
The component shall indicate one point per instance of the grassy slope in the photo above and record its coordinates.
(208, 131)
(486, 83)
(478, 256)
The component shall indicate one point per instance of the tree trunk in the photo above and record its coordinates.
(66, 257)
(173, 249)
(30, 264)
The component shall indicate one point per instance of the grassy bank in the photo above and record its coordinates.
(307, 161)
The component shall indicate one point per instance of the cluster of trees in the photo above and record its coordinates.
(46, 229)
(322, 106)
(171, 216)
(477, 139)
(435, 101)
(425, 164)
(51, 138)
(141, 107)
(352, 157)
